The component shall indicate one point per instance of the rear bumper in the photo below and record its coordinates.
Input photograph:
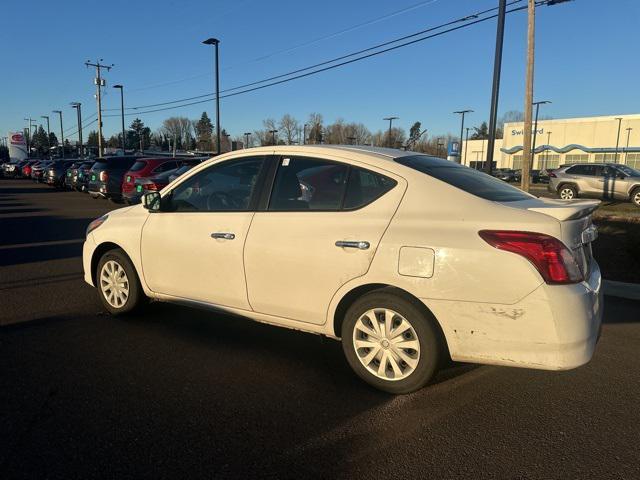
(556, 327)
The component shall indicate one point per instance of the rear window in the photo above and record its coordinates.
(465, 178)
(139, 165)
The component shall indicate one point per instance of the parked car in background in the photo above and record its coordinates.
(610, 181)
(71, 172)
(505, 174)
(107, 174)
(37, 171)
(145, 167)
(158, 182)
(56, 173)
(14, 169)
(79, 174)
(27, 168)
(409, 259)
(534, 176)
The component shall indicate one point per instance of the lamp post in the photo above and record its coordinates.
(246, 139)
(628, 129)
(546, 163)
(535, 129)
(304, 134)
(121, 88)
(466, 142)
(461, 113)
(390, 119)
(273, 136)
(215, 42)
(78, 107)
(59, 112)
(615, 159)
(46, 117)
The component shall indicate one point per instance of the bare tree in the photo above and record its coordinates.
(289, 129)
(179, 130)
(315, 128)
(264, 137)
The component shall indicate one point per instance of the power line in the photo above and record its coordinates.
(76, 127)
(84, 125)
(336, 59)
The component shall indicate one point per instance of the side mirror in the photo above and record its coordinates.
(151, 201)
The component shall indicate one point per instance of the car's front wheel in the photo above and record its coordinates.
(567, 192)
(390, 342)
(118, 285)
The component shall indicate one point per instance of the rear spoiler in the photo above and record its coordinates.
(567, 209)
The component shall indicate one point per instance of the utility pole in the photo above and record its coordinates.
(466, 142)
(121, 88)
(615, 158)
(304, 134)
(46, 117)
(99, 81)
(246, 139)
(626, 152)
(28, 136)
(461, 113)
(546, 163)
(528, 97)
(59, 112)
(390, 119)
(495, 89)
(78, 107)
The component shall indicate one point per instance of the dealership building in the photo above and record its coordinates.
(560, 141)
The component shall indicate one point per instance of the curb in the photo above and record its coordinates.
(629, 291)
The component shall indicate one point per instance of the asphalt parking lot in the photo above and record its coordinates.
(175, 392)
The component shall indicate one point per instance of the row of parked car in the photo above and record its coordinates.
(117, 178)
(510, 175)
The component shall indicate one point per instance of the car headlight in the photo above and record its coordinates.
(96, 223)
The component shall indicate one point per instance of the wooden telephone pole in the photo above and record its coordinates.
(528, 97)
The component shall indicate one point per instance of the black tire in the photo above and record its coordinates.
(635, 196)
(135, 297)
(432, 350)
(567, 191)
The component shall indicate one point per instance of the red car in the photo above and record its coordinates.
(146, 167)
(26, 170)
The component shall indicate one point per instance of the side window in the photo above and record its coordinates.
(165, 167)
(227, 186)
(308, 184)
(582, 170)
(365, 186)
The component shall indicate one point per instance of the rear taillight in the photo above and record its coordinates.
(552, 175)
(550, 256)
(104, 176)
(151, 186)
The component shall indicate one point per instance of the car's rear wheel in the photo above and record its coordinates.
(390, 342)
(567, 192)
(118, 285)
(635, 196)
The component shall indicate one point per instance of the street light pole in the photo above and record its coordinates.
(304, 134)
(466, 142)
(627, 149)
(78, 107)
(215, 42)
(273, 136)
(46, 117)
(495, 89)
(461, 113)
(546, 163)
(59, 112)
(246, 139)
(390, 119)
(535, 129)
(615, 159)
(121, 88)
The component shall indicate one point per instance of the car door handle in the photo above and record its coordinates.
(353, 244)
(223, 235)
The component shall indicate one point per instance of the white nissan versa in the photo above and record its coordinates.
(407, 258)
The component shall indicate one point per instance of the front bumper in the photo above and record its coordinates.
(88, 248)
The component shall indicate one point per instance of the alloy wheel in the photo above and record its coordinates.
(114, 284)
(636, 199)
(566, 194)
(386, 344)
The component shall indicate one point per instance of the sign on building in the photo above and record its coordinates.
(17, 146)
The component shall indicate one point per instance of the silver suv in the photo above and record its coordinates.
(597, 180)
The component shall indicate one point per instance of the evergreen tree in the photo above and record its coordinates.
(204, 132)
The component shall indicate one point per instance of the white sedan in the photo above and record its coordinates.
(407, 258)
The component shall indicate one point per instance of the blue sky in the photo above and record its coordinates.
(586, 60)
